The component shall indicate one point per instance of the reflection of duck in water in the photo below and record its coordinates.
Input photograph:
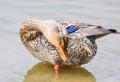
(74, 41)
(45, 73)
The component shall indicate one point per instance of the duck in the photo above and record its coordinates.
(62, 43)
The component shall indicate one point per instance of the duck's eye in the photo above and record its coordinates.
(57, 30)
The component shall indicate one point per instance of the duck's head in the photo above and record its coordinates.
(55, 33)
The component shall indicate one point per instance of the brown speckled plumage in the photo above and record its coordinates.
(79, 49)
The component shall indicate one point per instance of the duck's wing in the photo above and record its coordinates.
(89, 29)
(97, 31)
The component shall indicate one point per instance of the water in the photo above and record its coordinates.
(45, 73)
(16, 62)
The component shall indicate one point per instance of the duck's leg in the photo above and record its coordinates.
(56, 68)
(61, 51)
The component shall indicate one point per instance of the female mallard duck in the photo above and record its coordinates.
(61, 42)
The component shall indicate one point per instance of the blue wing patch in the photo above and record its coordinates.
(71, 29)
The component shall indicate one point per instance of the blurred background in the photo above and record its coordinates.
(15, 59)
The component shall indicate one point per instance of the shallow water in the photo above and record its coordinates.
(17, 65)
(45, 73)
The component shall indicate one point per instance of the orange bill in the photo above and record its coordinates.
(62, 54)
